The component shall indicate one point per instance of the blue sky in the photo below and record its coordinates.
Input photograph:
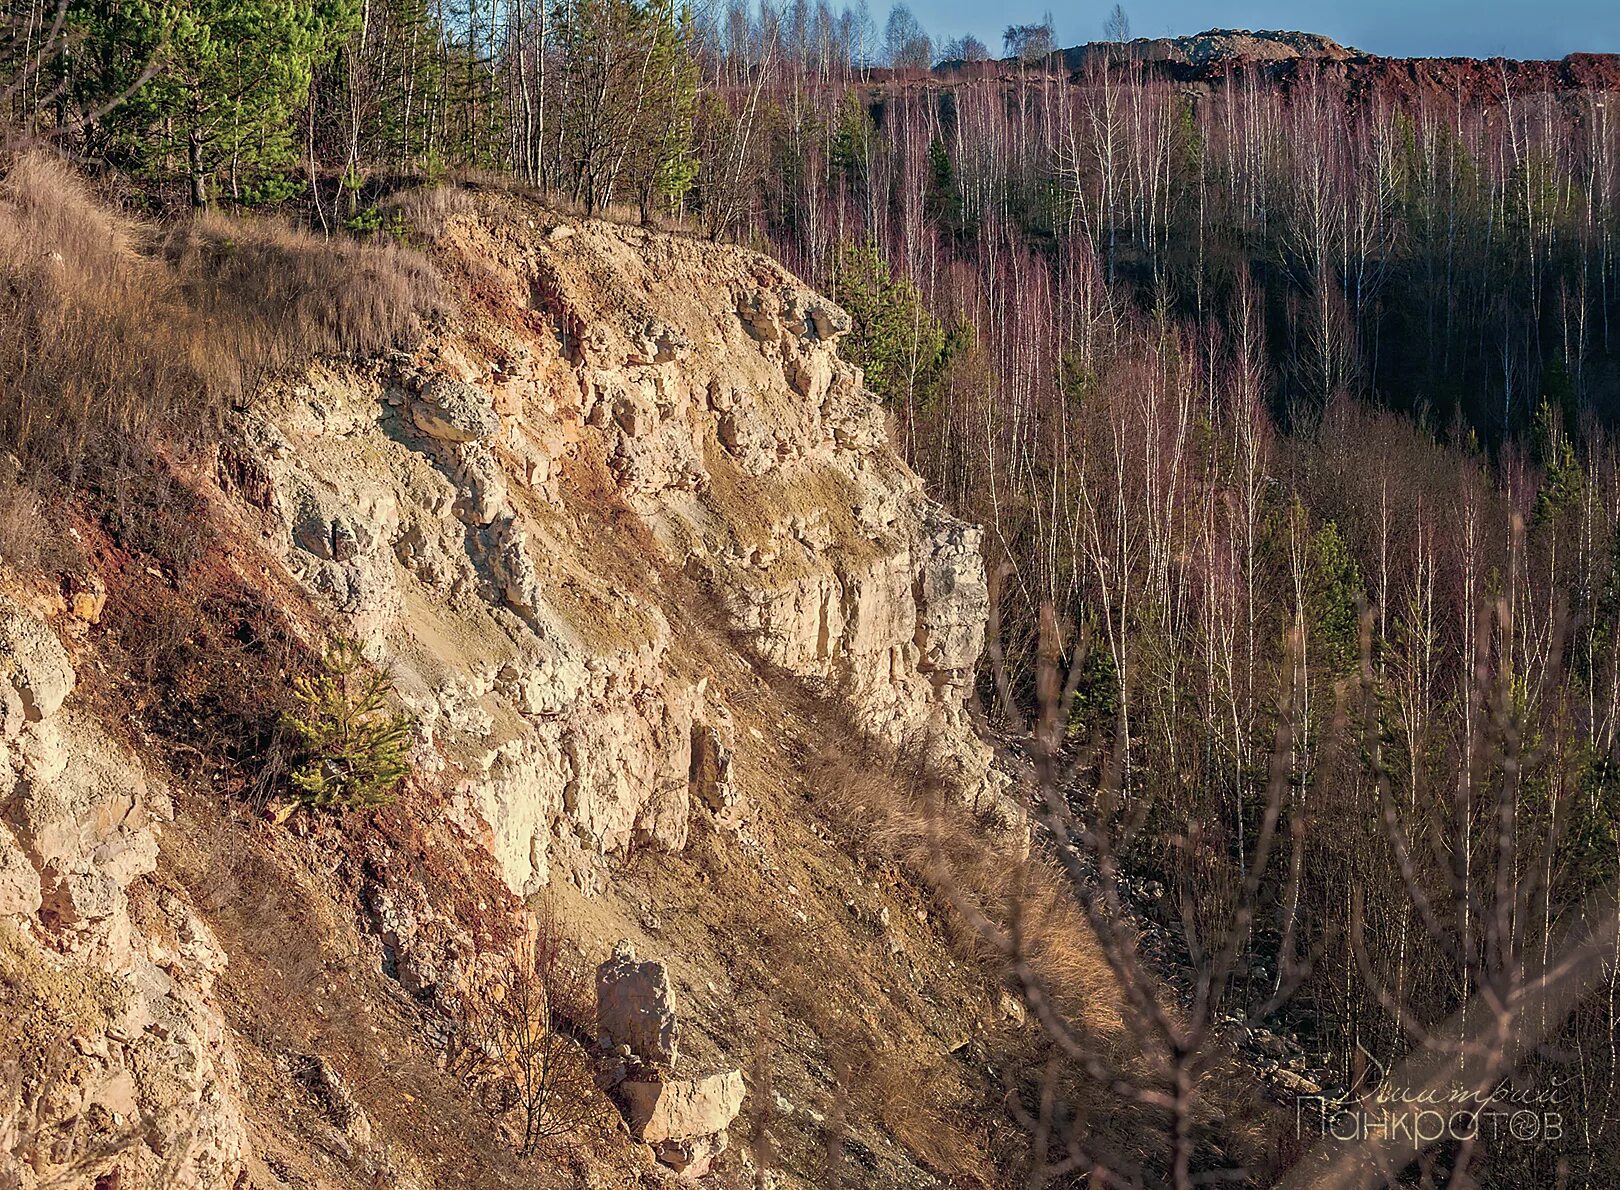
(1472, 28)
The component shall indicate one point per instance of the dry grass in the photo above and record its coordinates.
(116, 340)
(912, 1100)
(556, 202)
(837, 985)
(273, 297)
(1001, 908)
(28, 541)
(427, 210)
(295, 941)
(985, 884)
(91, 337)
(993, 902)
(844, 1006)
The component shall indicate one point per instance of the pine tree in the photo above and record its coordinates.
(664, 168)
(231, 76)
(353, 748)
(902, 348)
(1334, 596)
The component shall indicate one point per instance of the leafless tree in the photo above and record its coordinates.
(519, 1047)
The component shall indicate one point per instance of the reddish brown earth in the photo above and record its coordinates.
(1417, 79)
(1289, 60)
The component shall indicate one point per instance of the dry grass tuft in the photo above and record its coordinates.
(274, 297)
(908, 1098)
(92, 340)
(427, 210)
(28, 540)
(116, 342)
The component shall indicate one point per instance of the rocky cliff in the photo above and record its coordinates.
(1211, 48)
(467, 512)
(1203, 65)
(629, 538)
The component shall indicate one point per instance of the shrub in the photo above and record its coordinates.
(352, 748)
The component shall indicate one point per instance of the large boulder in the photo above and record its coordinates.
(953, 602)
(660, 1110)
(634, 1007)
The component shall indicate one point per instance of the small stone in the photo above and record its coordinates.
(1011, 1008)
(87, 597)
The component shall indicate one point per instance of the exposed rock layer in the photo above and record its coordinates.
(504, 519)
(637, 385)
(125, 1062)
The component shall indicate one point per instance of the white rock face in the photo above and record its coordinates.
(493, 530)
(712, 779)
(33, 666)
(455, 411)
(78, 825)
(20, 893)
(953, 603)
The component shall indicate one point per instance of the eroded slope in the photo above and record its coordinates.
(631, 541)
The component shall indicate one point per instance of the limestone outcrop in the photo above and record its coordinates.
(629, 536)
(467, 510)
(124, 1062)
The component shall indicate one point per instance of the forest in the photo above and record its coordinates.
(1289, 412)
